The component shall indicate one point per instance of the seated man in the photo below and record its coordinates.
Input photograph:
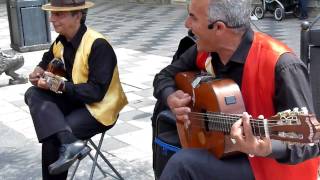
(86, 103)
(271, 79)
(185, 43)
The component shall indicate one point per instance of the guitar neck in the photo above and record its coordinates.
(216, 121)
(294, 126)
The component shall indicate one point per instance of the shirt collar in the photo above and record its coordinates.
(76, 40)
(241, 53)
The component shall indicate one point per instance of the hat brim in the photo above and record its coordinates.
(49, 7)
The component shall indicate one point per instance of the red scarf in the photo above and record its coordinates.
(258, 84)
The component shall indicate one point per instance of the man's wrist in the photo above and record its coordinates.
(165, 94)
(62, 87)
(55, 83)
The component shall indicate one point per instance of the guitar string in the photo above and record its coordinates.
(221, 125)
(227, 116)
(223, 128)
(218, 118)
(227, 119)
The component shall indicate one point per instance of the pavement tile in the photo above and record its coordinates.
(133, 97)
(148, 109)
(142, 103)
(141, 123)
(111, 143)
(130, 153)
(133, 115)
(137, 139)
(122, 128)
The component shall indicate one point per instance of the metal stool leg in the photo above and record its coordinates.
(96, 155)
(77, 165)
(95, 161)
(100, 168)
(105, 159)
(75, 170)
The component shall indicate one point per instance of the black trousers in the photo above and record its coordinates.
(199, 164)
(52, 113)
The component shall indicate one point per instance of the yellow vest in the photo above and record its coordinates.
(106, 111)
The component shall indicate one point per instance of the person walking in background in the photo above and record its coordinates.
(87, 102)
(303, 9)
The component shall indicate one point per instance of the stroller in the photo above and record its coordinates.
(278, 8)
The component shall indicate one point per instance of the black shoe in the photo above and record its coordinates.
(69, 153)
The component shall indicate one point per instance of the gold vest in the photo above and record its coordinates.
(106, 111)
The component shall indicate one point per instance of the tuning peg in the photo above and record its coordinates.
(284, 113)
(304, 111)
(287, 111)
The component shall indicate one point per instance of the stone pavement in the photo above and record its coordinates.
(145, 37)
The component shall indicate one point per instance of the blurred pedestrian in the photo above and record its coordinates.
(303, 9)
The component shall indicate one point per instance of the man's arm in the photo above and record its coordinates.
(46, 58)
(164, 83)
(41, 67)
(292, 90)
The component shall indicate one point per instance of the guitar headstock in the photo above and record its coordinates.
(294, 126)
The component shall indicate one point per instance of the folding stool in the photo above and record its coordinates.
(95, 161)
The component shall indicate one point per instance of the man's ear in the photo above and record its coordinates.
(220, 25)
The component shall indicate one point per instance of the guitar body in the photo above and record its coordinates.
(56, 66)
(222, 95)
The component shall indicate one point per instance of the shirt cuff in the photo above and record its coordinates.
(68, 87)
(279, 150)
(41, 65)
(165, 93)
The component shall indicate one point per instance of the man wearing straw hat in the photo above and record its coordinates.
(65, 111)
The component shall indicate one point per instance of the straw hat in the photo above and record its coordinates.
(67, 5)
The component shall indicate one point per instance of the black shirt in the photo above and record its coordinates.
(102, 61)
(291, 85)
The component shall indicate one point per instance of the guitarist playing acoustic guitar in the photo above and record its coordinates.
(271, 79)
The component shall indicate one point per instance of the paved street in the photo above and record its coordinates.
(145, 37)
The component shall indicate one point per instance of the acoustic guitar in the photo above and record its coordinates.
(56, 67)
(217, 104)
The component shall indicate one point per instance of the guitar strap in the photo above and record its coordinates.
(208, 66)
(62, 58)
(204, 62)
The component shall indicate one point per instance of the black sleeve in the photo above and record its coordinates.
(292, 90)
(46, 58)
(184, 44)
(163, 82)
(292, 84)
(102, 61)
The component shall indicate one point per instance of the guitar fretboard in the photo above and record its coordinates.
(216, 121)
